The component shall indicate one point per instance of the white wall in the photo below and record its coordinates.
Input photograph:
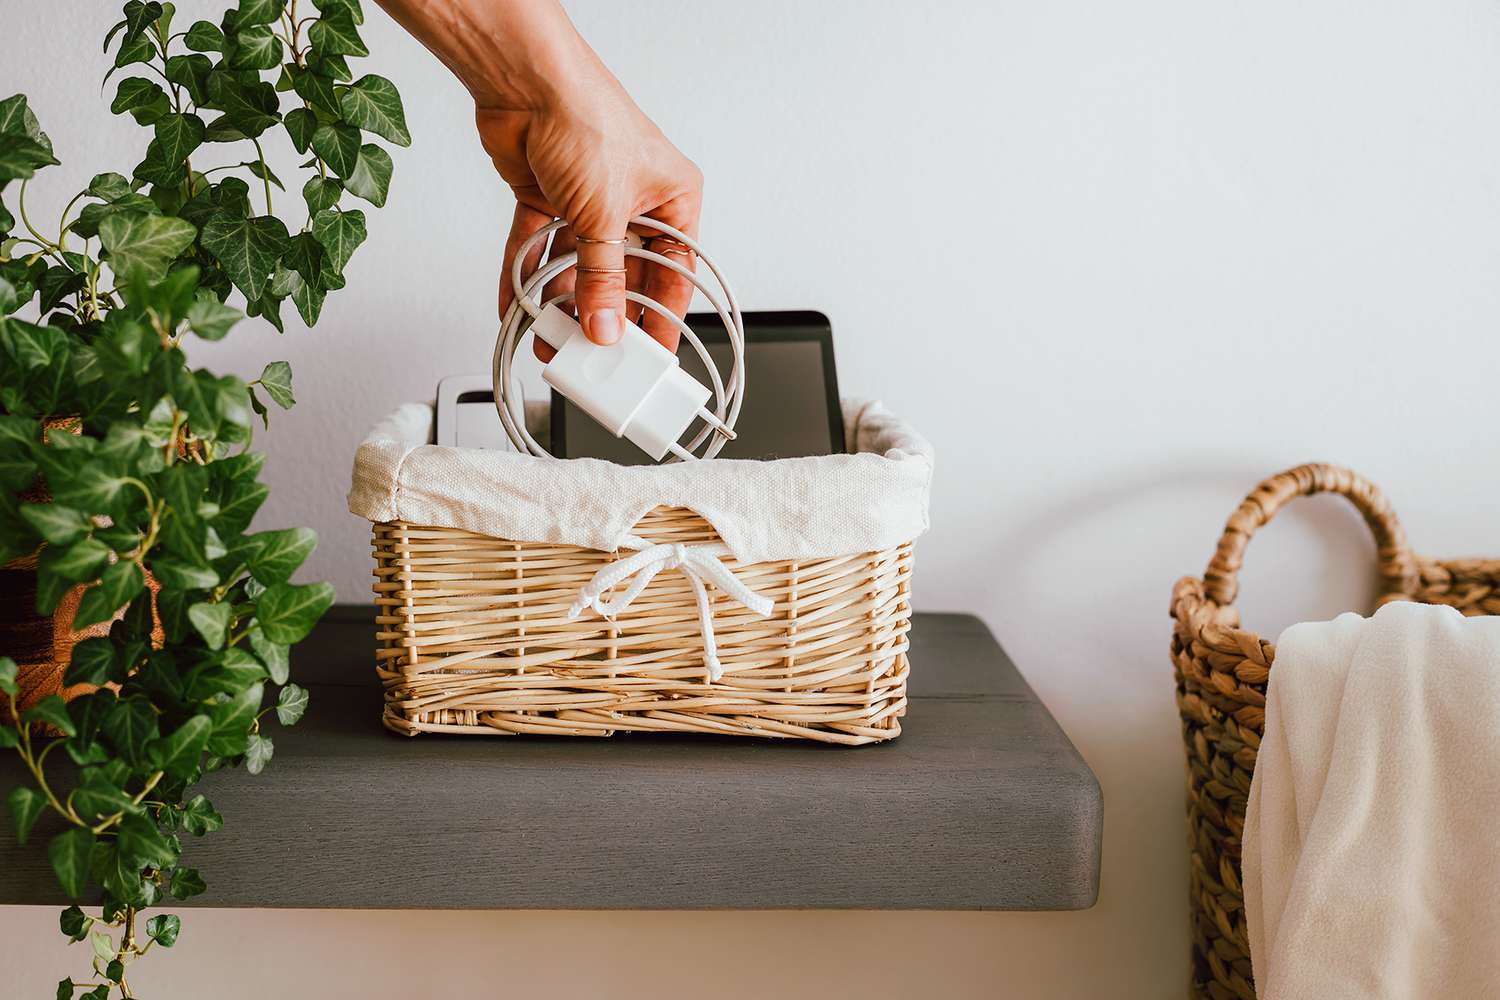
(1120, 261)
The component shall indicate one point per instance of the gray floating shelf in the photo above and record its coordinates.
(981, 804)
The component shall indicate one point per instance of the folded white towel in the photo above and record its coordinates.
(1372, 838)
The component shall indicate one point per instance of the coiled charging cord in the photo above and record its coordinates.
(728, 394)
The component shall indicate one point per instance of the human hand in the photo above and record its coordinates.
(590, 156)
(572, 145)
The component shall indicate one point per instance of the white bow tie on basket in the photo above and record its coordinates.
(699, 563)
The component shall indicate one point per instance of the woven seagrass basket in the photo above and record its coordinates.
(475, 637)
(1222, 671)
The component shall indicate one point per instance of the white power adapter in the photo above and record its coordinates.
(634, 387)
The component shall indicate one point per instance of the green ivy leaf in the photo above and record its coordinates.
(89, 710)
(275, 655)
(249, 108)
(181, 574)
(291, 704)
(53, 711)
(140, 15)
(142, 844)
(232, 721)
(277, 554)
(130, 725)
(78, 562)
(348, 7)
(21, 157)
(68, 853)
(16, 118)
(110, 186)
(178, 135)
(248, 249)
(120, 876)
(300, 126)
(25, 805)
(335, 34)
(315, 88)
(258, 753)
(88, 487)
(276, 379)
(211, 319)
(211, 622)
(97, 796)
(141, 246)
(373, 104)
(204, 36)
(321, 193)
(104, 947)
(178, 753)
(117, 585)
(191, 72)
(91, 662)
(144, 100)
(186, 883)
(253, 12)
(239, 506)
(371, 178)
(308, 298)
(74, 924)
(8, 672)
(134, 49)
(287, 612)
(262, 172)
(200, 817)
(256, 48)
(164, 928)
(59, 525)
(341, 233)
(338, 146)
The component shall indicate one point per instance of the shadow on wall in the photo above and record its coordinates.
(1082, 603)
(1315, 560)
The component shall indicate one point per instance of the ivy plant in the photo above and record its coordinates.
(129, 473)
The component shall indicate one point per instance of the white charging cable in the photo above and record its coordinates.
(634, 387)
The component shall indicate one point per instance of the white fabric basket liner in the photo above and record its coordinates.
(792, 508)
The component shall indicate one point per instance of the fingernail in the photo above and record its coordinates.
(604, 326)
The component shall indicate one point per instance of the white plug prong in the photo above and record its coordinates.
(717, 424)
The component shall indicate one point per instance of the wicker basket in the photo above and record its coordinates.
(1222, 672)
(475, 638)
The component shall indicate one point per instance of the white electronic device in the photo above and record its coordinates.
(465, 414)
(633, 387)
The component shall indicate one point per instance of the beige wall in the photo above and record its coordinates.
(250, 955)
(1118, 260)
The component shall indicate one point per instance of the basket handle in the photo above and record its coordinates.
(1395, 562)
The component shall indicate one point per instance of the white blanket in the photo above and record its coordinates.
(1372, 840)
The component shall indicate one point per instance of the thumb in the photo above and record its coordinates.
(600, 285)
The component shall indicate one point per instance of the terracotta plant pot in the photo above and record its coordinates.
(41, 645)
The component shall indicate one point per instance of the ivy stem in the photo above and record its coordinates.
(63, 225)
(265, 173)
(127, 944)
(34, 764)
(114, 818)
(47, 246)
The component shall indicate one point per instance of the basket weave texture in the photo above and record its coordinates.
(1222, 671)
(475, 638)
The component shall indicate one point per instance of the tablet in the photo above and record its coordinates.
(791, 404)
